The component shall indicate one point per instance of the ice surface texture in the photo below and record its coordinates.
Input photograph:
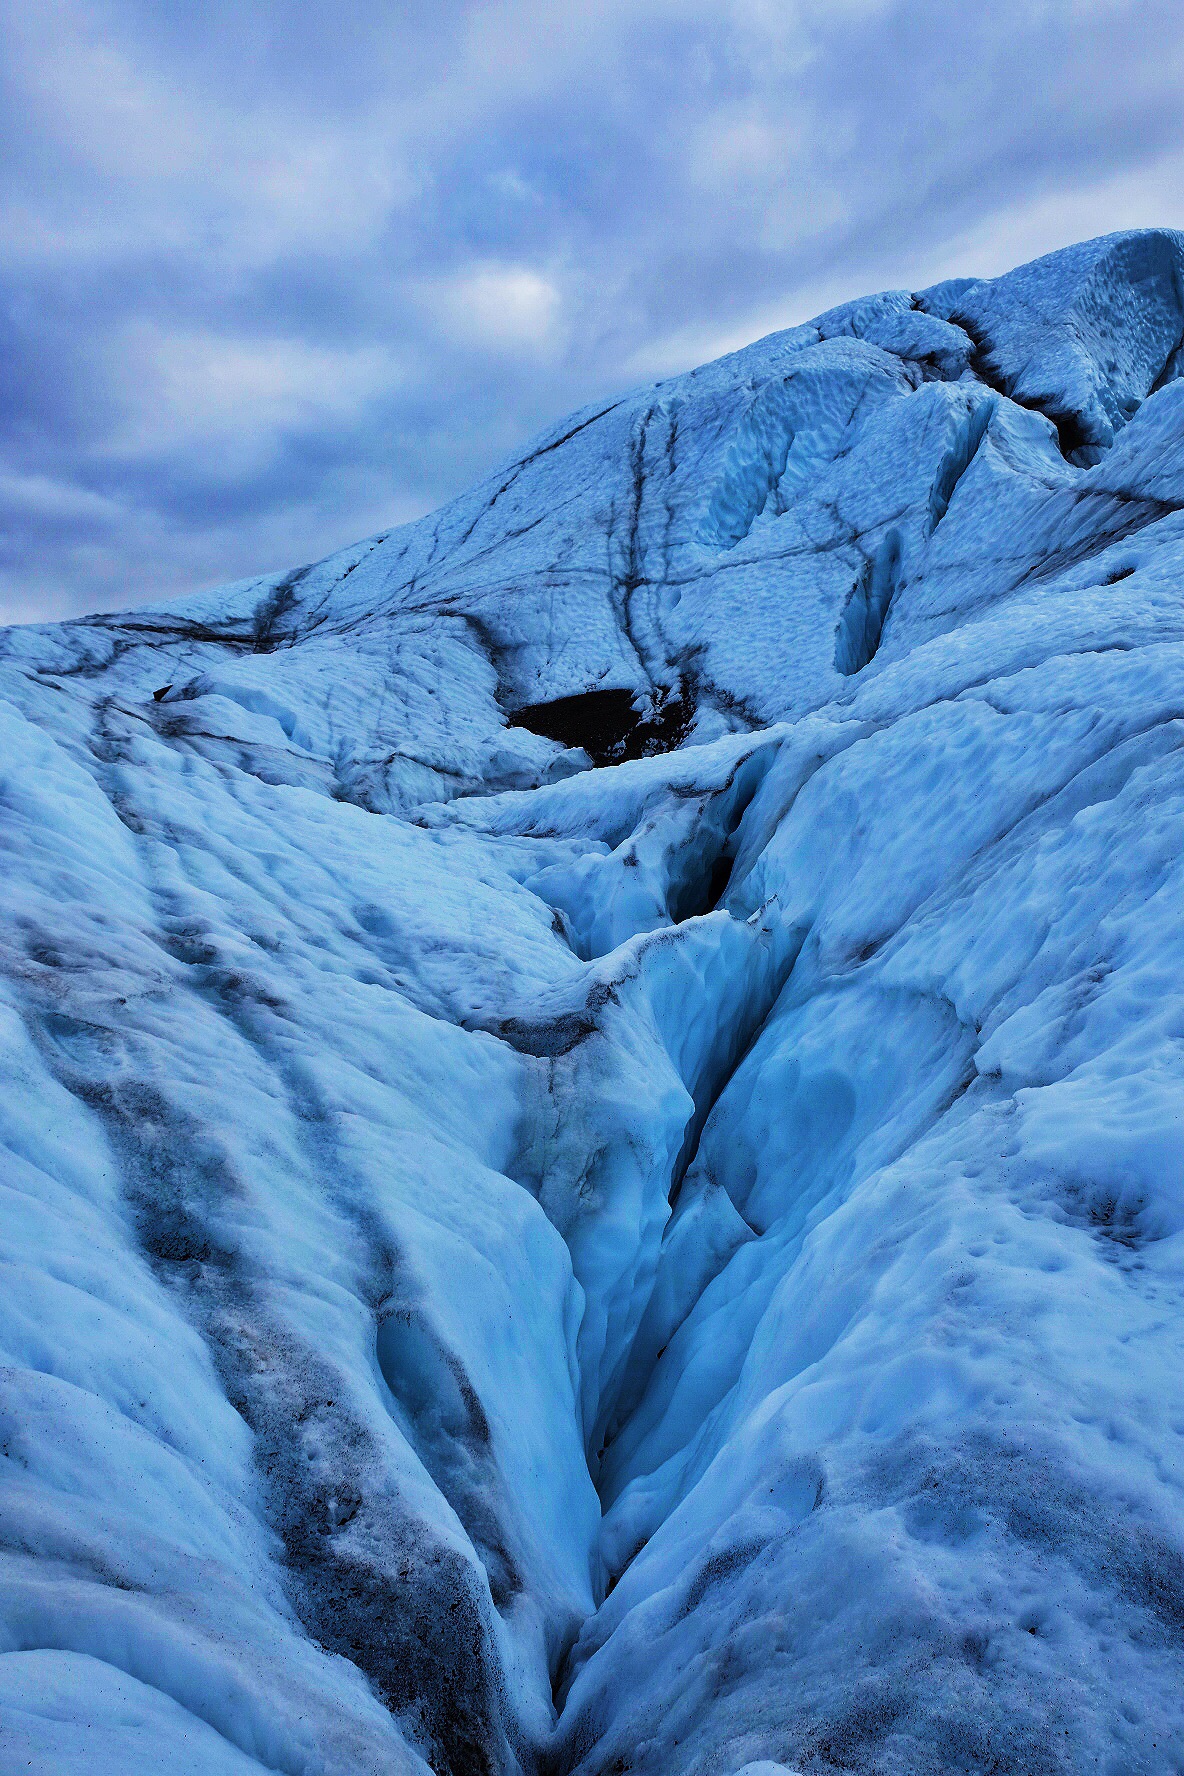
(593, 1131)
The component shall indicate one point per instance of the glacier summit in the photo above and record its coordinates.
(593, 1131)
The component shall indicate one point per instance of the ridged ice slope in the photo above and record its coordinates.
(593, 1133)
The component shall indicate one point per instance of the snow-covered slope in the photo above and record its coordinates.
(593, 1131)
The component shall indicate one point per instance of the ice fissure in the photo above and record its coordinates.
(591, 1159)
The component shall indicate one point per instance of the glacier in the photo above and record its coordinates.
(593, 1130)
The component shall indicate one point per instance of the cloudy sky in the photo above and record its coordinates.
(275, 274)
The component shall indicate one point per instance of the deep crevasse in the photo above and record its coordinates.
(418, 1141)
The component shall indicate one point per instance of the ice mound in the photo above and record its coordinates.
(593, 1144)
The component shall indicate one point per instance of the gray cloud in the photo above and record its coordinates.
(277, 274)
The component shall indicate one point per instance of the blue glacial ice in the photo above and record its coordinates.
(593, 1132)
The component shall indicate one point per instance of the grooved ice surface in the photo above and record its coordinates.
(670, 1266)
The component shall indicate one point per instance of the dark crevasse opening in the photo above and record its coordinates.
(606, 725)
(701, 891)
(862, 622)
